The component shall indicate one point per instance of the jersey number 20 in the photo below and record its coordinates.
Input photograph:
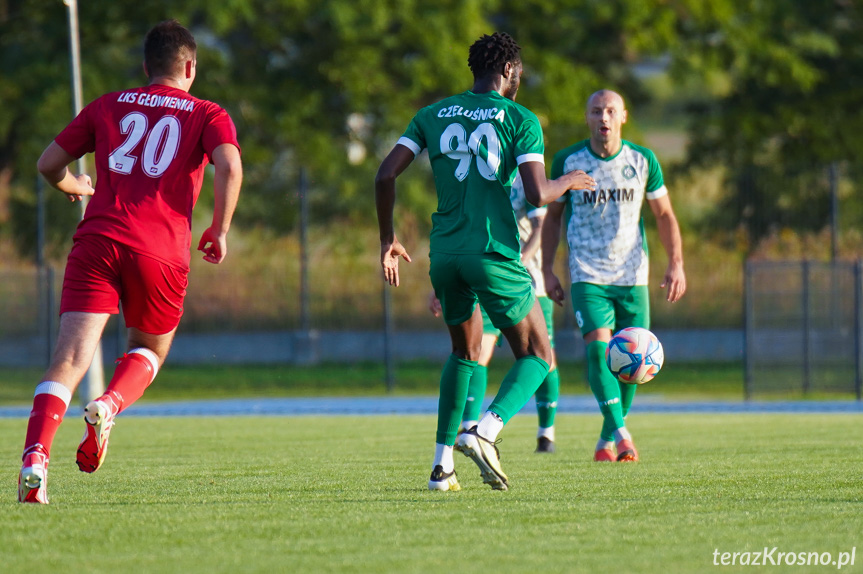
(160, 146)
(455, 144)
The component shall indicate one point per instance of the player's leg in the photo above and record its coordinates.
(548, 392)
(152, 299)
(479, 380)
(594, 313)
(632, 310)
(506, 293)
(464, 321)
(529, 342)
(606, 390)
(90, 294)
(76, 344)
(134, 372)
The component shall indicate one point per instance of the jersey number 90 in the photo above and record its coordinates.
(457, 145)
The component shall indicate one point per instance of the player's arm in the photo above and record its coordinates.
(434, 304)
(227, 183)
(550, 238)
(541, 191)
(385, 199)
(669, 234)
(528, 250)
(53, 165)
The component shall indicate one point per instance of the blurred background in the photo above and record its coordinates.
(752, 107)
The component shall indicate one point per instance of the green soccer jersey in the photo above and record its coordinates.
(605, 231)
(475, 144)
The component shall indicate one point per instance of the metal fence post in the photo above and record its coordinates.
(748, 319)
(833, 176)
(48, 286)
(306, 339)
(388, 338)
(807, 363)
(305, 315)
(93, 383)
(858, 328)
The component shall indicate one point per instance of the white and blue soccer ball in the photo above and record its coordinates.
(634, 355)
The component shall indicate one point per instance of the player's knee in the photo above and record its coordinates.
(540, 347)
(544, 353)
(469, 352)
(72, 365)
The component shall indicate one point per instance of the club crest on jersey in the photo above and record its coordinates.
(628, 172)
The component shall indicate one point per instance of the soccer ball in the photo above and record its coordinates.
(634, 355)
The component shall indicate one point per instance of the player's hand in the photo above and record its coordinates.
(390, 253)
(580, 180)
(434, 305)
(553, 288)
(214, 245)
(84, 187)
(674, 281)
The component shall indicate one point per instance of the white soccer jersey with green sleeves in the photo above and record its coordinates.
(524, 212)
(605, 232)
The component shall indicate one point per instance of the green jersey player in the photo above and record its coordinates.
(476, 142)
(608, 253)
(529, 220)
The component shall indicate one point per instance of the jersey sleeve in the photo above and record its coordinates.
(655, 187)
(413, 138)
(557, 165)
(557, 170)
(535, 211)
(529, 144)
(79, 137)
(218, 130)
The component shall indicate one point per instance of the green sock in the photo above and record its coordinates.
(546, 399)
(454, 381)
(519, 384)
(475, 394)
(605, 388)
(627, 393)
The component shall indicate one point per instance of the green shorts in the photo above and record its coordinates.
(502, 286)
(488, 327)
(610, 306)
(547, 306)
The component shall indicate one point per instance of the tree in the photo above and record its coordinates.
(788, 80)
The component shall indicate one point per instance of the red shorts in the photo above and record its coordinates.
(101, 273)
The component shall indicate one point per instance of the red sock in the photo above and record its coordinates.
(134, 373)
(49, 406)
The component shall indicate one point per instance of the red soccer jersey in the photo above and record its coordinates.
(152, 145)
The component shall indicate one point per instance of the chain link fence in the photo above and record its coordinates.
(803, 327)
(252, 309)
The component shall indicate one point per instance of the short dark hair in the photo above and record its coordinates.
(489, 54)
(166, 45)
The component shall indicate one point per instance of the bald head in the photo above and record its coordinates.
(605, 97)
(605, 115)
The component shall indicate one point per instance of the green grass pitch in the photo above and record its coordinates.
(348, 494)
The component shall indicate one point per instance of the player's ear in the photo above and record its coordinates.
(189, 69)
(508, 70)
(624, 116)
(146, 71)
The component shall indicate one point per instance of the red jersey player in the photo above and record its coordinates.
(151, 146)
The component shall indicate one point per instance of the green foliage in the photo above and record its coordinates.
(307, 81)
(787, 79)
(329, 86)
